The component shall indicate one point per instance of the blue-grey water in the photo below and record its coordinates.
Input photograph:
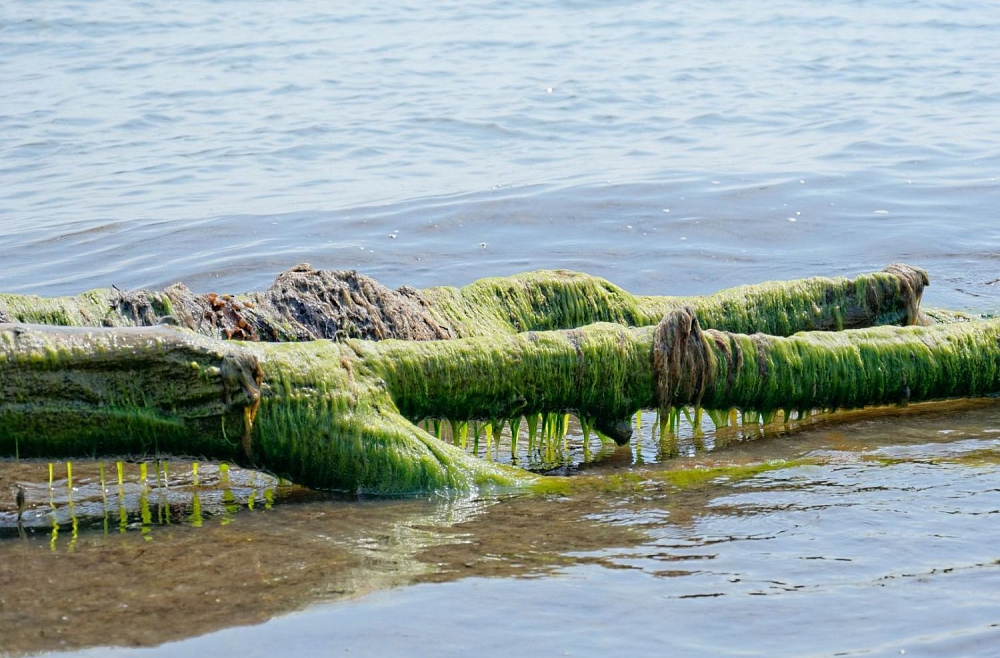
(672, 147)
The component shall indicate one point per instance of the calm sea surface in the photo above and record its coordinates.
(672, 147)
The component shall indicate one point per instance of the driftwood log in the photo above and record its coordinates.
(341, 413)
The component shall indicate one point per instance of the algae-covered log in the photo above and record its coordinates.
(338, 414)
(335, 415)
(306, 304)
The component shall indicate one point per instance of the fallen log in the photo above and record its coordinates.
(340, 414)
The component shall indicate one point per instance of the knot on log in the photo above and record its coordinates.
(682, 360)
(912, 281)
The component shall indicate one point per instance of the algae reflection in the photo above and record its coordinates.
(297, 555)
(117, 497)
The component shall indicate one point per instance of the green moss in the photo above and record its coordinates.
(619, 483)
(560, 299)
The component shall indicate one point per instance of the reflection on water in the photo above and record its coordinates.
(893, 509)
(122, 496)
(560, 444)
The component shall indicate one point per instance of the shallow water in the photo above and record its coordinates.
(674, 148)
(145, 144)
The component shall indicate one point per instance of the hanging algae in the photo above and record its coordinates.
(338, 414)
(307, 304)
(822, 370)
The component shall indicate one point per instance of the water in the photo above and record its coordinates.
(675, 148)
(220, 142)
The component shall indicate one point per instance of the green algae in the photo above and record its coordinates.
(79, 393)
(698, 477)
(982, 458)
(602, 371)
(619, 483)
(89, 392)
(91, 308)
(824, 370)
(343, 415)
(986, 457)
(326, 419)
(515, 434)
(650, 480)
(335, 415)
(104, 307)
(559, 299)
